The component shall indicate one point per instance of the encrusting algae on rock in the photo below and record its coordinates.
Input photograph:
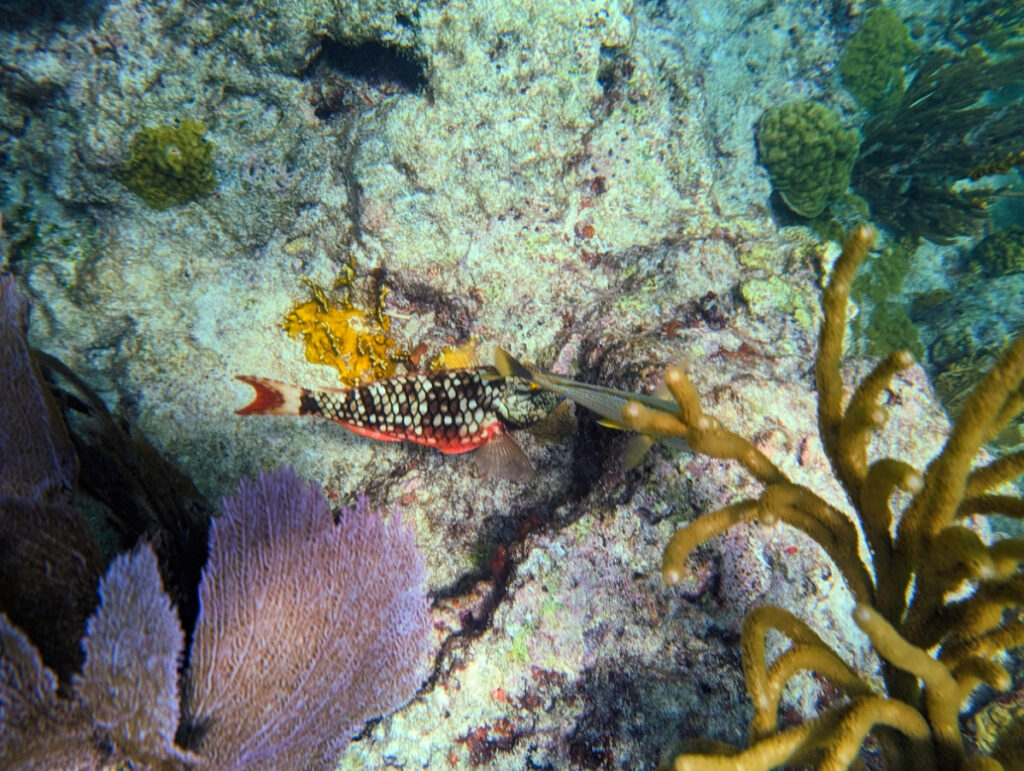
(345, 336)
(169, 165)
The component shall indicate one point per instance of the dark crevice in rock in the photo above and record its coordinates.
(347, 77)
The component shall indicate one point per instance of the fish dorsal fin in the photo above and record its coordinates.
(501, 457)
(509, 366)
(558, 426)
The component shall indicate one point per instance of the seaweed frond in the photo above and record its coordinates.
(957, 121)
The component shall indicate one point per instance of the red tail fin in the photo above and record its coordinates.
(272, 397)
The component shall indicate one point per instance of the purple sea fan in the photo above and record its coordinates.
(129, 684)
(124, 708)
(307, 628)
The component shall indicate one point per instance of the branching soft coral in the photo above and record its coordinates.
(901, 594)
(958, 120)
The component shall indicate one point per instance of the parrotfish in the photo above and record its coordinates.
(455, 411)
(607, 403)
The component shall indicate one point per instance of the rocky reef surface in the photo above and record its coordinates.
(576, 182)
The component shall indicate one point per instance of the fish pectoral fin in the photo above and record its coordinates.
(608, 423)
(636, 449)
(501, 457)
(557, 426)
(509, 366)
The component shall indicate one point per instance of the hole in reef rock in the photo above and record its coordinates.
(45, 14)
(356, 76)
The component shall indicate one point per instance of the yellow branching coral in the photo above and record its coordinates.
(936, 650)
(344, 335)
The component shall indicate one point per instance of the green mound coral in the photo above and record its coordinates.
(1000, 253)
(169, 165)
(872, 62)
(808, 155)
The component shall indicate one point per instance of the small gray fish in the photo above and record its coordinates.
(607, 403)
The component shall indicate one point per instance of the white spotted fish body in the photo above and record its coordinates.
(453, 410)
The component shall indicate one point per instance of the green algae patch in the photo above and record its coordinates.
(872, 63)
(883, 324)
(169, 165)
(1000, 253)
(764, 296)
(891, 330)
